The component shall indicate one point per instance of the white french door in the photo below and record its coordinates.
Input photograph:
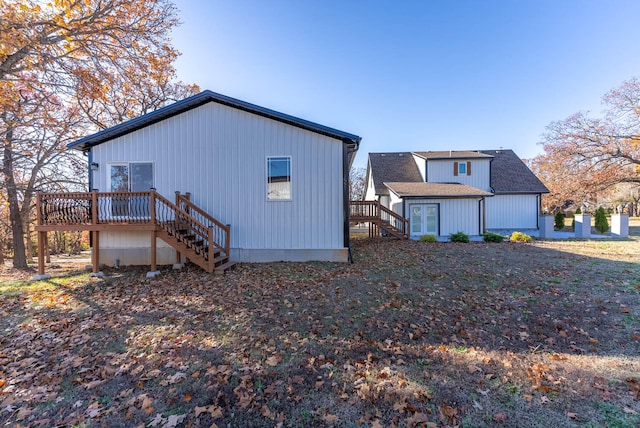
(424, 219)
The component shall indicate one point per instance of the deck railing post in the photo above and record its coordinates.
(227, 244)
(39, 208)
(175, 219)
(94, 206)
(152, 205)
(187, 209)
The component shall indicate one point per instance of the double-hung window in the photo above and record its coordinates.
(279, 178)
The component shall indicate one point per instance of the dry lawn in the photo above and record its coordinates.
(412, 334)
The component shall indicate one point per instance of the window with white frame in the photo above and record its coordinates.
(279, 178)
(128, 177)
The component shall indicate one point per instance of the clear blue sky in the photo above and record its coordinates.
(415, 75)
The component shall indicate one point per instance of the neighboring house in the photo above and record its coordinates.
(280, 182)
(444, 192)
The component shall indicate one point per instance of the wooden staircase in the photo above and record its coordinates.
(193, 233)
(381, 219)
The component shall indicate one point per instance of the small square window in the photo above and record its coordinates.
(279, 178)
(462, 168)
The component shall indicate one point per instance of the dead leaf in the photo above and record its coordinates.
(177, 377)
(329, 418)
(500, 417)
(173, 421)
(273, 360)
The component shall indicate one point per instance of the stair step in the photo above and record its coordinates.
(220, 259)
(220, 270)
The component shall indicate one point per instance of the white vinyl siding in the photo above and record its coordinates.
(370, 191)
(218, 154)
(421, 163)
(456, 215)
(441, 171)
(512, 212)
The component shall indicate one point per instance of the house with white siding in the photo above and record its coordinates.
(444, 192)
(279, 182)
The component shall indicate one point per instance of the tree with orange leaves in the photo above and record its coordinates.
(67, 68)
(585, 155)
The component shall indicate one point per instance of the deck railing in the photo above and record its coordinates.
(378, 215)
(93, 208)
(220, 231)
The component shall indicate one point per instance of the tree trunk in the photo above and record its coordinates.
(19, 255)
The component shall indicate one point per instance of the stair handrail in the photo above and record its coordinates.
(225, 228)
(400, 220)
(194, 225)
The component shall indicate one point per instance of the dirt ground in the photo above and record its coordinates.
(411, 334)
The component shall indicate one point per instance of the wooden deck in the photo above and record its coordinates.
(183, 225)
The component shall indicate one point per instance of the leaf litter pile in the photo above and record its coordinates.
(410, 335)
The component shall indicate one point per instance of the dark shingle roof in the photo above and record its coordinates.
(196, 101)
(438, 190)
(392, 167)
(452, 154)
(510, 175)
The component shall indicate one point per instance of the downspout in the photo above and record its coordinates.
(89, 155)
(480, 216)
(483, 216)
(404, 215)
(346, 165)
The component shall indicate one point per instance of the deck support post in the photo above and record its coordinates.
(154, 266)
(42, 243)
(95, 251)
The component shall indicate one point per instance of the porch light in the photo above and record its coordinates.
(94, 166)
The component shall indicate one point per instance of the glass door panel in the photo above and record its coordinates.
(424, 219)
(119, 183)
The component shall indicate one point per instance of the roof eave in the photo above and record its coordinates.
(198, 100)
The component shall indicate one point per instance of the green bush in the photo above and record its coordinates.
(573, 222)
(602, 225)
(519, 237)
(459, 237)
(428, 238)
(492, 237)
(559, 220)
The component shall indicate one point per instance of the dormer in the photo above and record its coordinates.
(453, 166)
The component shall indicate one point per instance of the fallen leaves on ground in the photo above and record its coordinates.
(408, 335)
